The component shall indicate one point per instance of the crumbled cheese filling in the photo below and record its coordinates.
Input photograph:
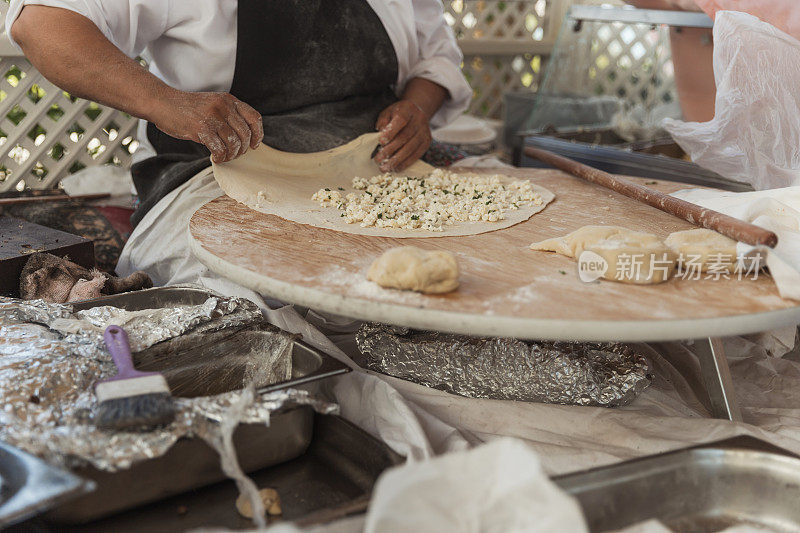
(440, 199)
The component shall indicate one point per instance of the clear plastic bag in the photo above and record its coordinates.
(755, 134)
(783, 14)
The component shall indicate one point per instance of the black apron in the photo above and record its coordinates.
(318, 71)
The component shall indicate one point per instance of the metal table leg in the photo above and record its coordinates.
(717, 378)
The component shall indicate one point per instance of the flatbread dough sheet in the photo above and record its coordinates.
(282, 184)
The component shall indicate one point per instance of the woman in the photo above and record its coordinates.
(226, 75)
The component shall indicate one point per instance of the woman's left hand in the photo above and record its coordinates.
(404, 135)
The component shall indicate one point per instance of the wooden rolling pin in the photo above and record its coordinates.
(734, 228)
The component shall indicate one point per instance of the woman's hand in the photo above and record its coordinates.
(89, 66)
(404, 135)
(405, 132)
(219, 121)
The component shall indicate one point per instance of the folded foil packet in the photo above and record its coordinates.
(569, 373)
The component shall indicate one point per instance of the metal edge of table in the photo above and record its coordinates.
(686, 19)
(497, 325)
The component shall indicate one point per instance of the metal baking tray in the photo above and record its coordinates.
(29, 486)
(332, 479)
(191, 463)
(625, 162)
(741, 481)
(308, 363)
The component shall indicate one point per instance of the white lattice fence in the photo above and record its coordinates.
(46, 134)
(508, 43)
(505, 44)
(629, 61)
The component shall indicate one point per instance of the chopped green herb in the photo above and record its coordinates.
(563, 272)
(340, 188)
(380, 215)
(327, 189)
(414, 217)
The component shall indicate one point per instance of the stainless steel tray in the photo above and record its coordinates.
(742, 481)
(333, 478)
(308, 363)
(191, 463)
(29, 486)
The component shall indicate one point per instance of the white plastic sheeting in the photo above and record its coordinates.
(755, 135)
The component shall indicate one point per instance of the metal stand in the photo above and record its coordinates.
(717, 378)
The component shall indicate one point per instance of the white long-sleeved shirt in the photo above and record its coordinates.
(191, 44)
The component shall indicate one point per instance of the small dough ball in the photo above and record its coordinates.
(703, 247)
(270, 498)
(632, 256)
(413, 269)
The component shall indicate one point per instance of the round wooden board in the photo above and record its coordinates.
(506, 289)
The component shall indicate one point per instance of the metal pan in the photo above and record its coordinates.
(332, 479)
(29, 486)
(308, 363)
(742, 481)
(191, 463)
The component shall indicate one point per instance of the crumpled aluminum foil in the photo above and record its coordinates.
(600, 374)
(84, 329)
(47, 378)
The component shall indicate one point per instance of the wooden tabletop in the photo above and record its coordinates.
(506, 289)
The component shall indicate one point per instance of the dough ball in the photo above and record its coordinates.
(632, 256)
(270, 498)
(413, 269)
(703, 247)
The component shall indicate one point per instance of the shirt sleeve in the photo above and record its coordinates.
(130, 24)
(439, 59)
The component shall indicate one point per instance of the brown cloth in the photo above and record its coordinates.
(58, 280)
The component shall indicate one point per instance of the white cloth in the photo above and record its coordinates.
(495, 488)
(191, 44)
(754, 136)
(777, 210)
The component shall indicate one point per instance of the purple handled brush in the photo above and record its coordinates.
(131, 399)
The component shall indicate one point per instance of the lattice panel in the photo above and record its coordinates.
(46, 134)
(631, 62)
(492, 76)
(506, 44)
(491, 19)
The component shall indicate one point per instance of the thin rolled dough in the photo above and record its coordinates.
(282, 184)
(615, 244)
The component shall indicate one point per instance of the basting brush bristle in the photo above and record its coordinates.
(142, 402)
(131, 399)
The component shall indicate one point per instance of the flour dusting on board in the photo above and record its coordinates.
(358, 285)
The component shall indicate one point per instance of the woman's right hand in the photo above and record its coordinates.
(219, 121)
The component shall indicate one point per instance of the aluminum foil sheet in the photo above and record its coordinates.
(47, 378)
(600, 374)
